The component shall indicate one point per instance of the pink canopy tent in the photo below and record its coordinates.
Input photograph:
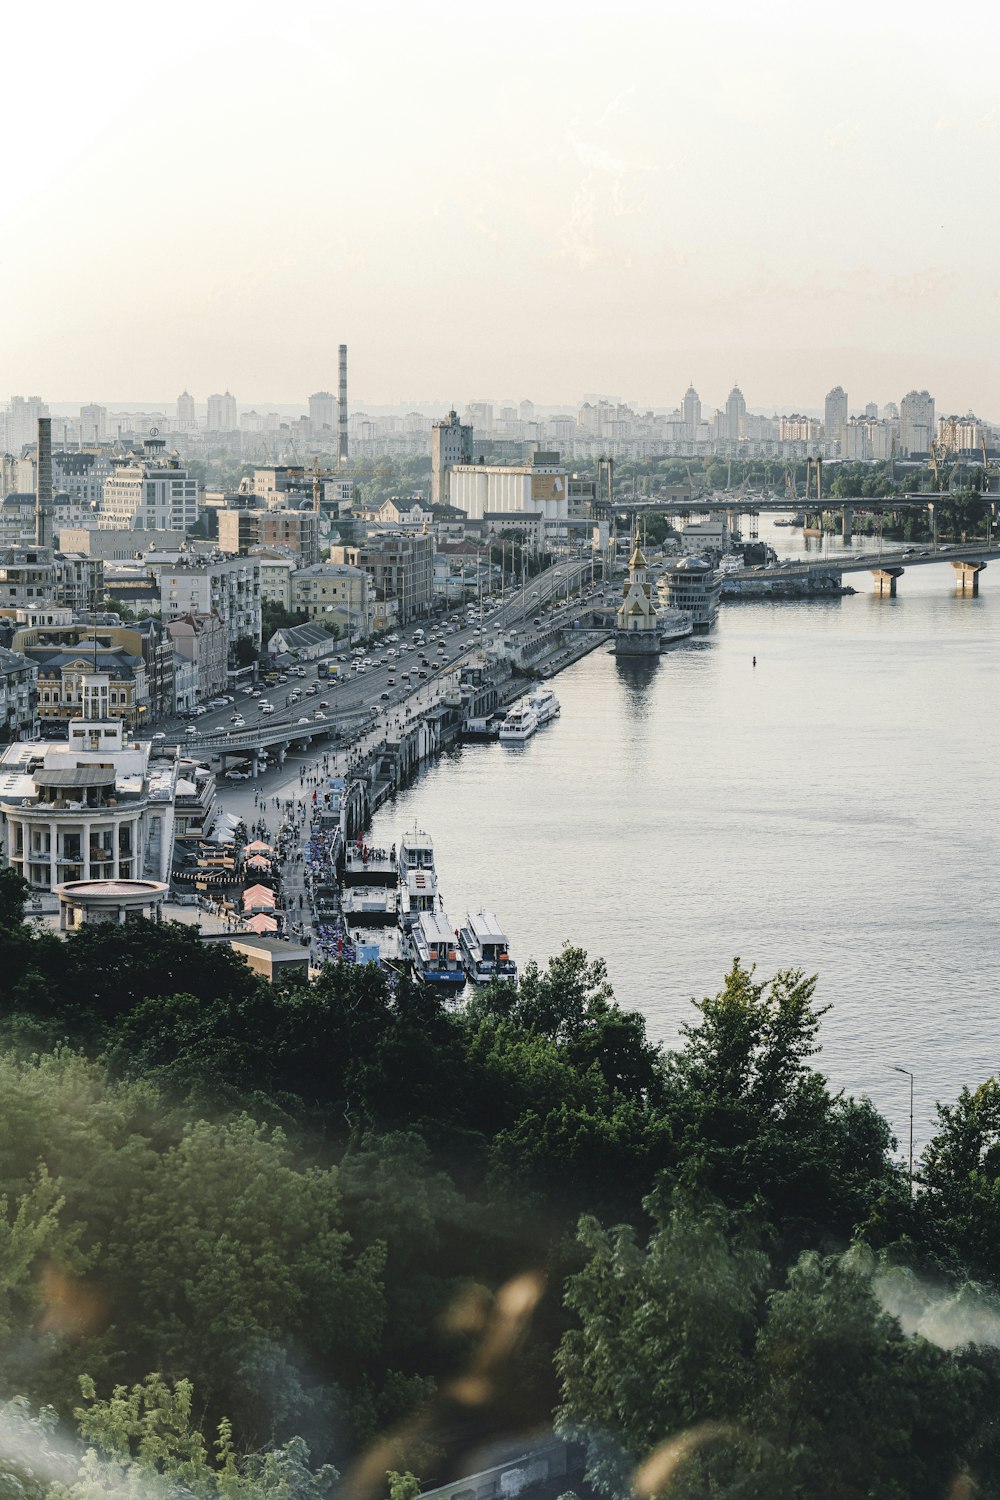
(257, 896)
(262, 923)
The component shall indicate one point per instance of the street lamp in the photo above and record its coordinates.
(897, 1069)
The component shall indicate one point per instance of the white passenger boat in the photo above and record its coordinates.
(433, 950)
(418, 890)
(485, 950)
(519, 725)
(545, 704)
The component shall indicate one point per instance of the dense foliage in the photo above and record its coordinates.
(335, 1211)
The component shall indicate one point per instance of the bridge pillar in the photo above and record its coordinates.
(847, 523)
(968, 573)
(885, 580)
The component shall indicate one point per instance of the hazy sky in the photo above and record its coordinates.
(507, 200)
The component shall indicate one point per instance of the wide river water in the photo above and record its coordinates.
(834, 809)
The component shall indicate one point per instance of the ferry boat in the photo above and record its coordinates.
(519, 725)
(485, 950)
(417, 877)
(433, 950)
(545, 704)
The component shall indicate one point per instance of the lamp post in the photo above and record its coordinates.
(897, 1069)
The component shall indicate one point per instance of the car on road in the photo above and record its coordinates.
(319, 714)
(304, 720)
(422, 674)
(237, 775)
(392, 681)
(384, 695)
(239, 723)
(323, 703)
(247, 692)
(192, 729)
(267, 708)
(159, 735)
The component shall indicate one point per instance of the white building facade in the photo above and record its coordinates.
(149, 493)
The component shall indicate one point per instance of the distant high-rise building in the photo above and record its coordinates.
(323, 411)
(93, 424)
(222, 413)
(22, 421)
(871, 411)
(916, 422)
(479, 414)
(691, 409)
(736, 415)
(451, 443)
(835, 414)
(186, 417)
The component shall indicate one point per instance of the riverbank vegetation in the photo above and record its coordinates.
(255, 1239)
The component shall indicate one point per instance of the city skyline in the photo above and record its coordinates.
(627, 200)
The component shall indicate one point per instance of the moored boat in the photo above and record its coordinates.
(545, 704)
(433, 950)
(485, 950)
(519, 725)
(418, 890)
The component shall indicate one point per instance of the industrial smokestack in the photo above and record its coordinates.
(43, 484)
(342, 418)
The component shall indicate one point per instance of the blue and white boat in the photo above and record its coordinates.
(433, 950)
(485, 949)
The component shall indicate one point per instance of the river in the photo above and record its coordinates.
(834, 809)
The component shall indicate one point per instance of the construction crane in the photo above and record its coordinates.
(938, 455)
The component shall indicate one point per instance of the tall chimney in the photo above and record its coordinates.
(43, 484)
(342, 417)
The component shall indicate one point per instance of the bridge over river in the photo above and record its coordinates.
(886, 565)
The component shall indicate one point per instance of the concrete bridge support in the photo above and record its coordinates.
(885, 580)
(967, 581)
(846, 523)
